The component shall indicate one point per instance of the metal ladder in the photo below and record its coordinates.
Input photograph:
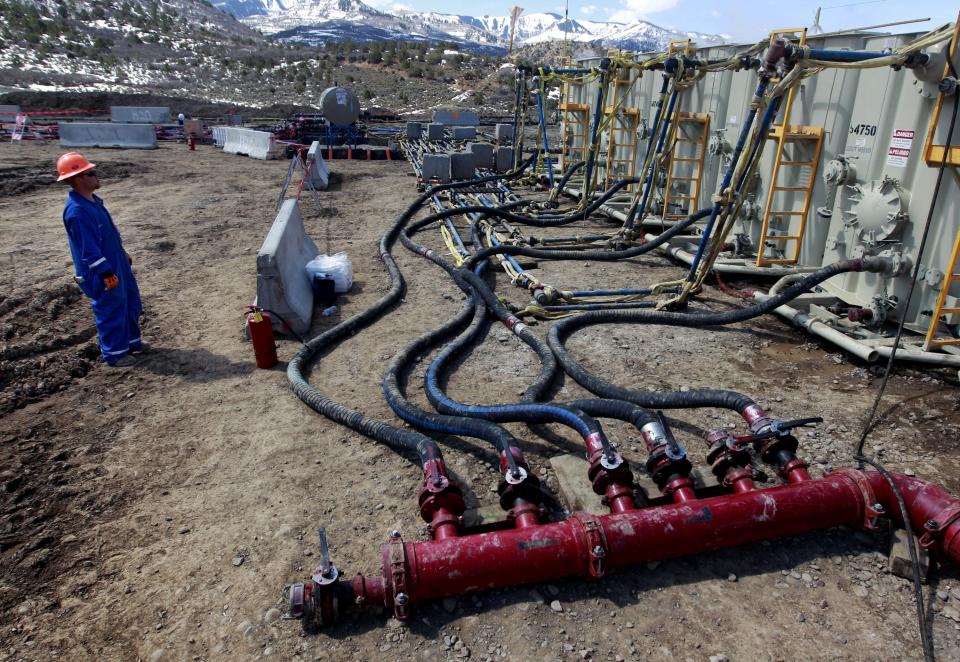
(622, 134)
(685, 171)
(574, 124)
(952, 276)
(800, 138)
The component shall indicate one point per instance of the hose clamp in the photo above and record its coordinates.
(397, 560)
(935, 528)
(871, 507)
(596, 543)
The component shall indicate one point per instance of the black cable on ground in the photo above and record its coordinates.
(694, 398)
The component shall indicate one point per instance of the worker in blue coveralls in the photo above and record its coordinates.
(102, 266)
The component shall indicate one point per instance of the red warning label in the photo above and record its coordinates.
(901, 142)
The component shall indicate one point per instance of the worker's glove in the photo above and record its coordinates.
(129, 259)
(110, 280)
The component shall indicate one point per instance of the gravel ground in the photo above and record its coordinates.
(156, 512)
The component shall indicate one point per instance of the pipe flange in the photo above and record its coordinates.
(596, 543)
(935, 528)
(396, 554)
(871, 507)
(515, 480)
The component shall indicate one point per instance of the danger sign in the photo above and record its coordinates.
(901, 142)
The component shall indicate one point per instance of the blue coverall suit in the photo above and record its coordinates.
(96, 249)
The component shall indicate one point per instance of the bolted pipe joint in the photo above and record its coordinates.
(775, 52)
(608, 469)
(729, 462)
(441, 502)
(668, 461)
(519, 484)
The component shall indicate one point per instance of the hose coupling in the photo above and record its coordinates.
(775, 52)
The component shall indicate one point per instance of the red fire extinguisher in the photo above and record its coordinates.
(261, 334)
(192, 142)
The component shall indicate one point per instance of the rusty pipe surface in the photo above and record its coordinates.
(587, 546)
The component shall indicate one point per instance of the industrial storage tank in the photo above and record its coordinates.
(340, 106)
(885, 186)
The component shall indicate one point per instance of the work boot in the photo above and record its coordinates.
(142, 348)
(124, 361)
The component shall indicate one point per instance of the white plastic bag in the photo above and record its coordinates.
(337, 267)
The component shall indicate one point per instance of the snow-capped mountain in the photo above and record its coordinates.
(318, 21)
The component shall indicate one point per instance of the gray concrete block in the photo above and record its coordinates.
(434, 131)
(282, 281)
(899, 562)
(463, 165)
(319, 172)
(107, 134)
(575, 488)
(482, 153)
(464, 132)
(503, 133)
(9, 112)
(503, 159)
(414, 130)
(436, 166)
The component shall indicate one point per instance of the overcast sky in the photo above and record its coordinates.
(744, 20)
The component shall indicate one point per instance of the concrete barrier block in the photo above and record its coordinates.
(414, 130)
(9, 112)
(503, 159)
(464, 132)
(140, 114)
(319, 172)
(456, 117)
(255, 144)
(219, 135)
(282, 281)
(503, 133)
(436, 166)
(434, 132)
(482, 154)
(463, 165)
(105, 134)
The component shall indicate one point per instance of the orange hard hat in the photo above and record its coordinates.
(72, 163)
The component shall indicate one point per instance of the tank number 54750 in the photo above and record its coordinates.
(864, 129)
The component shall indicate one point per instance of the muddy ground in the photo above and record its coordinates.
(156, 512)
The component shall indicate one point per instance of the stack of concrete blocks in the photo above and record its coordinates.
(464, 133)
(319, 172)
(482, 154)
(456, 117)
(463, 165)
(503, 158)
(436, 166)
(414, 130)
(283, 284)
(140, 114)
(434, 131)
(504, 133)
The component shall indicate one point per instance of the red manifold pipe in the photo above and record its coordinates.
(586, 545)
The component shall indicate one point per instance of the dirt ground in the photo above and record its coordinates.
(156, 512)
